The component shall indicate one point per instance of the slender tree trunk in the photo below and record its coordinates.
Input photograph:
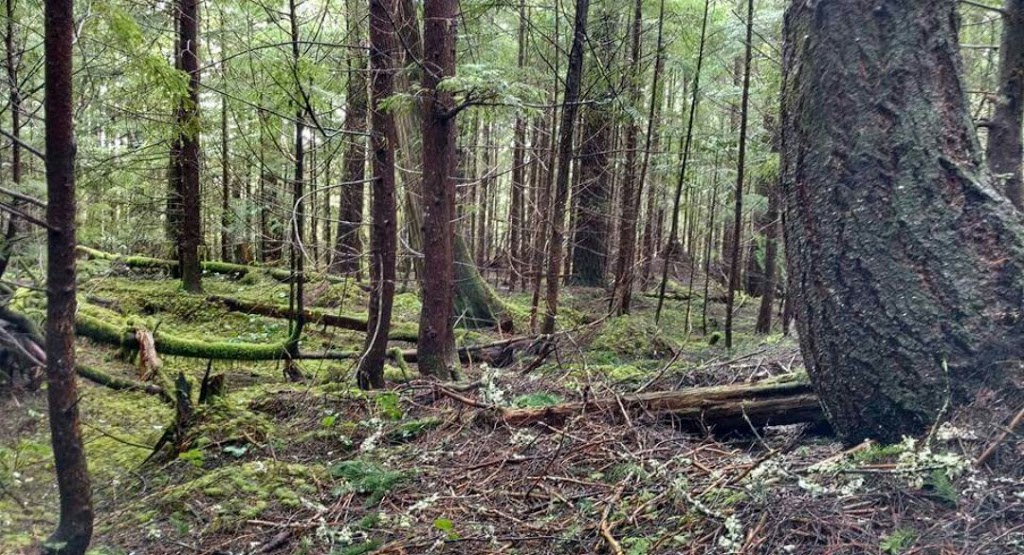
(348, 245)
(1004, 134)
(383, 230)
(889, 217)
(436, 352)
(516, 204)
(674, 231)
(771, 250)
(651, 143)
(188, 122)
(737, 228)
(13, 61)
(570, 106)
(74, 529)
(707, 251)
(226, 217)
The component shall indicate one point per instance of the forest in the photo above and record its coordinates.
(631, 277)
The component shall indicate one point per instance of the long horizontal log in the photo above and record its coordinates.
(100, 377)
(499, 353)
(210, 266)
(313, 317)
(729, 407)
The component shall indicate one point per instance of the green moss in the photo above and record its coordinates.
(243, 491)
(632, 336)
(536, 400)
(409, 431)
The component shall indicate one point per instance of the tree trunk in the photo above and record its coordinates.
(685, 154)
(188, 128)
(737, 227)
(907, 264)
(771, 252)
(13, 62)
(516, 204)
(437, 340)
(348, 244)
(74, 529)
(1004, 132)
(593, 165)
(570, 107)
(383, 231)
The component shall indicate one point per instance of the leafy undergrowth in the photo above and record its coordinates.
(320, 467)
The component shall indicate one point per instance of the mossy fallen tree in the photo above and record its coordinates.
(313, 317)
(210, 266)
(499, 353)
(166, 344)
(720, 408)
(100, 377)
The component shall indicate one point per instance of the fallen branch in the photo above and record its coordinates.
(209, 266)
(97, 376)
(313, 317)
(729, 407)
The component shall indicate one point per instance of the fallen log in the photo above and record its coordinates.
(97, 376)
(498, 354)
(313, 317)
(209, 266)
(721, 408)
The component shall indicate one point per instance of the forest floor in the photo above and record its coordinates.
(321, 467)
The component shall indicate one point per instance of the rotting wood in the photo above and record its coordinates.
(719, 408)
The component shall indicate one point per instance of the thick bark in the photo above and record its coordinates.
(437, 340)
(74, 529)
(1004, 130)
(188, 123)
(593, 166)
(570, 106)
(384, 229)
(348, 244)
(737, 225)
(907, 264)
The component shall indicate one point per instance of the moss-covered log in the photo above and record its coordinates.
(313, 317)
(720, 408)
(100, 377)
(210, 266)
(166, 344)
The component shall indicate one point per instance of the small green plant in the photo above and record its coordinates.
(389, 406)
(367, 478)
(447, 526)
(898, 541)
(537, 400)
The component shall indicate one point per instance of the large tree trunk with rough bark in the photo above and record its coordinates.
(1004, 133)
(907, 264)
(591, 228)
(437, 340)
(74, 529)
(384, 229)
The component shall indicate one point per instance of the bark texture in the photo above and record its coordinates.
(437, 340)
(1004, 134)
(74, 529)
(905, 259)
(570, 107)
(384, 230)
(188, 122)
(349, 244)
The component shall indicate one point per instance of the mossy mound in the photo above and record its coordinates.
(632, 337)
